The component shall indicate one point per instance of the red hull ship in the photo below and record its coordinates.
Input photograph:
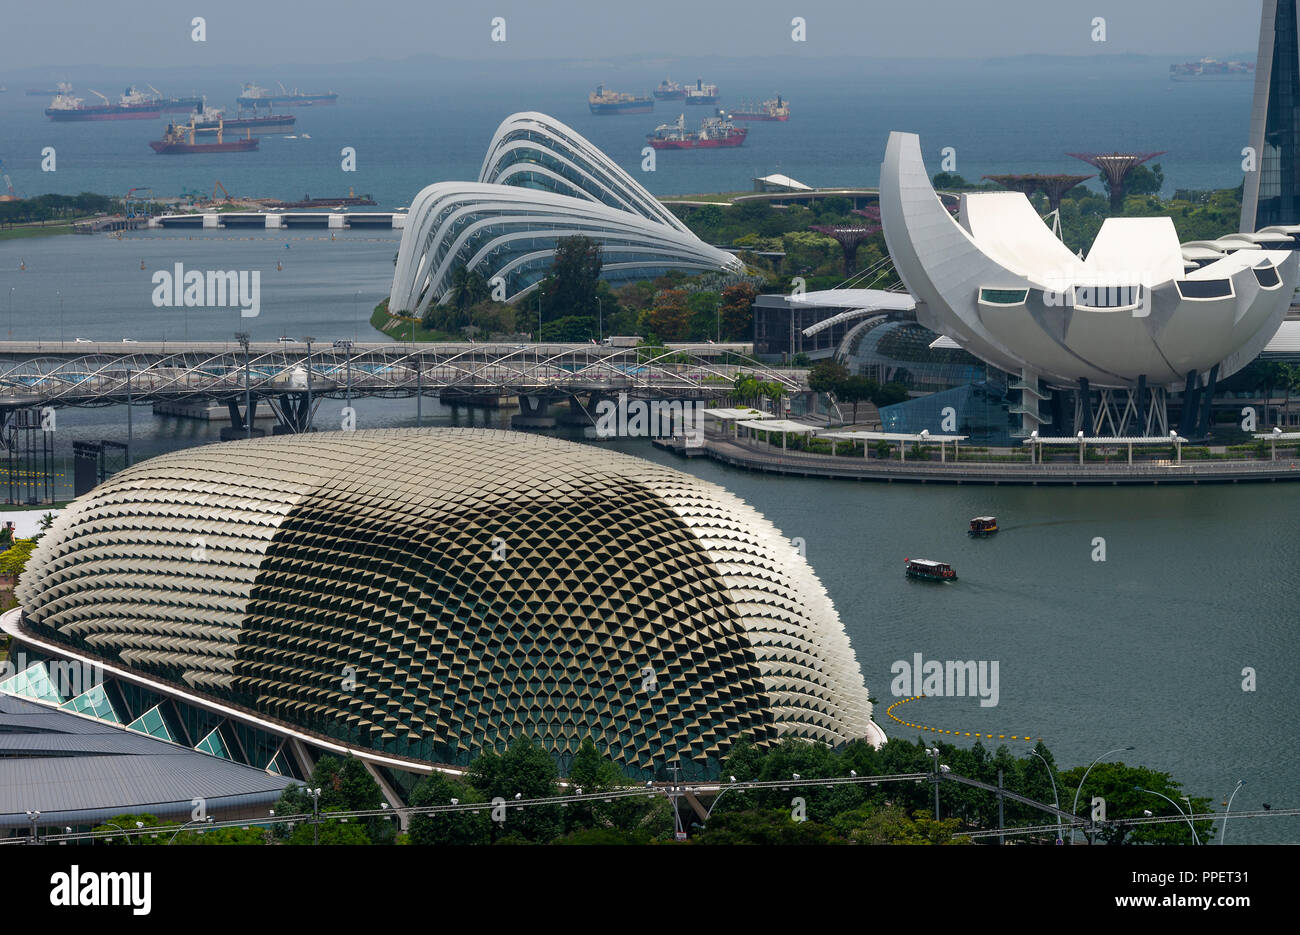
(714, 132)
(183, 141)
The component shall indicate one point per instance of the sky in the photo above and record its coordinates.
(37, 35)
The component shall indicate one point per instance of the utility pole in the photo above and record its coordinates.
(242, 338)
(1002, 838)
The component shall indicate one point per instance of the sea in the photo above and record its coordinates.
(415, 123)
(1148, 648)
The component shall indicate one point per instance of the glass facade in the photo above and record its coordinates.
(1279, 160)
(900, 352)
(980, 410)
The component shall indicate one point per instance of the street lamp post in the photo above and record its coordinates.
(242, 338)
(11, 312)
(1055, 800)
(308, 341)
(1074, 809)
(600, 321)
(34, 817)
(315, 815)
(1224, 833)
(1187, 815)
(933, 753)
(60, 295)
(198, 821)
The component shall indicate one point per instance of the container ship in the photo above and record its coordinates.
(601, 101)
(702, 93)
(183, 140)
(132, 105)
(775, 109)
(669, 90)
(713, 132)
(254, 96)
(206, 118)
(1209, 69)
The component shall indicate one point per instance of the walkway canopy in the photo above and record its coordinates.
(735, 416)
(900, 439)
(1104, 441)
(784, 426)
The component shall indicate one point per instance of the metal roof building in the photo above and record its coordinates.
(78, 770)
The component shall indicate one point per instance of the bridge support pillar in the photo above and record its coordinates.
(293, 413)
(582, 409)
(239, 422)
(533, 413)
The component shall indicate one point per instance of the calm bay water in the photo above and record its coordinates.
(417, 123)
(1146, 648)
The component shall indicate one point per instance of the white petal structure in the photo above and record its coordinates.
(533, 150)
(433, 593)
(999, 284)
(540, 182)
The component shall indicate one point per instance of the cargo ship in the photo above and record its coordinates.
(775, 109)
(713, 132)
(182, 140)
(353, 200)
(206, 118)
(702, 93)
(601, 101)
(669, 90)
(254, 96)
(132, 105)
(1209, 69)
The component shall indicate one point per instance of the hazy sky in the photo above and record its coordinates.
(157, 33)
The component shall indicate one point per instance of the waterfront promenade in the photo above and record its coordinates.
(757, 456)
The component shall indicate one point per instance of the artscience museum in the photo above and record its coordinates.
(1097, 343)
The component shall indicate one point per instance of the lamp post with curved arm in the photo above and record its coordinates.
(1074, 809)
(1186, 815)
(1055, 799)
(1224, 833)
(200, 821)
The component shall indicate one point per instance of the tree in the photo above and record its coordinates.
(890, 394)
(670, 315)
(13, 561)
(345, 786)
(857, 389)
(892, 825)
(764, 826)
(570, 288)
(827, 375)
(460, 827)
(704, 322)
(526, 770)
(1124, 789)
(737, 312)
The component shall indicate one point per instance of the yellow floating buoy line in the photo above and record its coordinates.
(951, 733)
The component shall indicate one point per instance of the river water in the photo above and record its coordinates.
(1146, 648)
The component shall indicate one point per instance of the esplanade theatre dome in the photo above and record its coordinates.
(432, 593)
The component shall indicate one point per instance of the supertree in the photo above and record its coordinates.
(849, 238)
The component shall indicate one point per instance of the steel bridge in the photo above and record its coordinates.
(292, 376)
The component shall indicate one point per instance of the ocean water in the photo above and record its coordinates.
(412, 124)
(1144, 649)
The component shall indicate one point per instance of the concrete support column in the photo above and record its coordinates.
(533, 413)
